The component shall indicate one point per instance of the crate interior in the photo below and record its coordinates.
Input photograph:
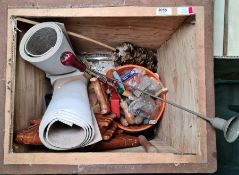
(173, 37)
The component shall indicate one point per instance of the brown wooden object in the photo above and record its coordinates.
(29, 135)
(101, 96)
(119, 141)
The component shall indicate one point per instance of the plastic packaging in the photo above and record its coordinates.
(154, 87)
(144, 84)
(133, 81)
(145, 107)
(132, 73)
(138, 120)
(137, 78)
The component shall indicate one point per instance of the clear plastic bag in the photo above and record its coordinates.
(144, 106)
(143, 82)
(154, 87)
(135, 79)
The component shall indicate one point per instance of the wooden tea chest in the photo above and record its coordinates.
(185, 65)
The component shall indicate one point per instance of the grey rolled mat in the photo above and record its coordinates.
(42, 46)
(68, 122)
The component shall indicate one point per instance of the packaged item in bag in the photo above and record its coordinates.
(145, 107)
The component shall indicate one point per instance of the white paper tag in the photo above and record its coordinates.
(184, 10)
(164, 11)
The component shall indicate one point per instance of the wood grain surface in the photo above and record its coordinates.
(178, 68)
(29, 93)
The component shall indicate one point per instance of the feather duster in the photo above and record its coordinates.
(127, 53)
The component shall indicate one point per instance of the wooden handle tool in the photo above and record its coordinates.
(119, 141)
(128, 116)
(148, 147)
(29, 136)
(101, 96)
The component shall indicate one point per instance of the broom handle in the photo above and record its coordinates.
(70, 33)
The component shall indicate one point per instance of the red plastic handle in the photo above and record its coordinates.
(69, 59)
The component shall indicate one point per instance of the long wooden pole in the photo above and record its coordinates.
(70, 33)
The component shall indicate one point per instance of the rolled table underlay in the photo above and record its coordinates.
(69, 122)
(42, 46)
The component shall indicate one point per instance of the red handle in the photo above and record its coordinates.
(69, 59)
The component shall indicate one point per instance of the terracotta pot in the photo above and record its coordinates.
(138, 128)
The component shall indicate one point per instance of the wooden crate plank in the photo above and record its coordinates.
(115, 31)
(29, 94)
(218, 29)
(178, 67)
(233, 28)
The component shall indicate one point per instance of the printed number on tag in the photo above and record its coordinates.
(163, 11)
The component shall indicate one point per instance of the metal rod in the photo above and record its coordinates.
(177, 106)
(170, 102)
(69, 59)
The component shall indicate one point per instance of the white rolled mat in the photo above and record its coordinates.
(43, 44)
(69, 122)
